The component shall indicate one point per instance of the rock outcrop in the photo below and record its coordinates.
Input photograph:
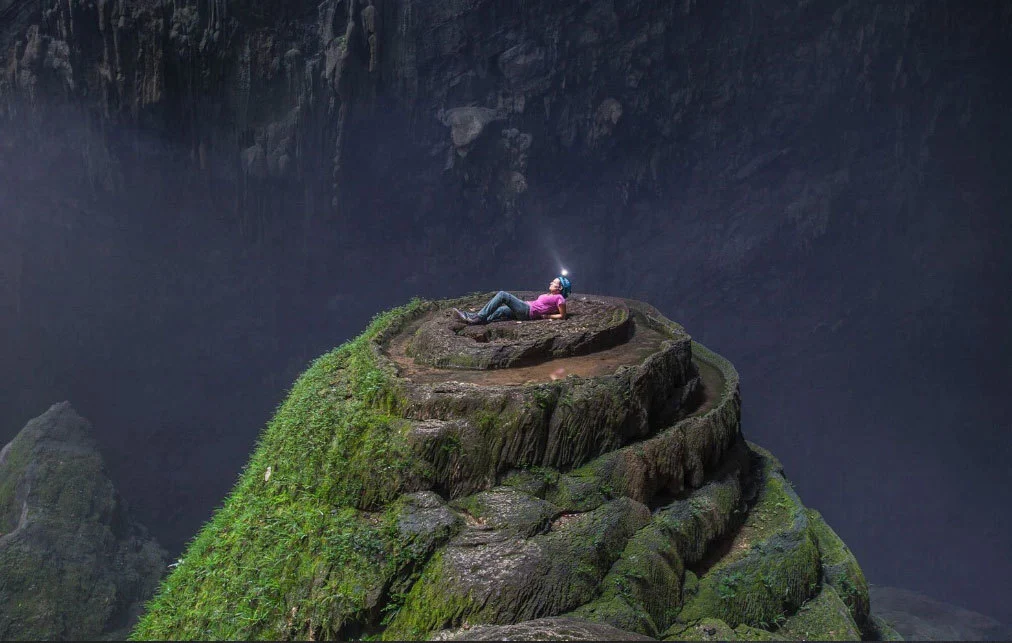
(73, 564)
(393, 498)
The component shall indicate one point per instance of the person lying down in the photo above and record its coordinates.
(505, 306)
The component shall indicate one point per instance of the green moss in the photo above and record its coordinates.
(535, 481)
(429, 606)
(617, 611)
(547, 575)
(299, 547)
(727, 371)
(576, 493)
(714, 629)
(840, 568)
(11, 472)
(640, 593)
(825, 617)
(772, 564)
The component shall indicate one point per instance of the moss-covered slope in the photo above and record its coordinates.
(382, 505)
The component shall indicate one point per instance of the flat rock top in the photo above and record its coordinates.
(593, 323)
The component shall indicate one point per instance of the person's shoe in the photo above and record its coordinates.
(467, 318)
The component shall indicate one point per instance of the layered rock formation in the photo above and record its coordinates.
(564, 496)
(73, 564)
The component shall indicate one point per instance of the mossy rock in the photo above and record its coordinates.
(73, 562)
(825, 617)
(879, 629)
(543, 629)
(714, 629)
(488, 576)
(770, 567)
(508, 511)
(840, 569)
(390, 501)
(643, 590)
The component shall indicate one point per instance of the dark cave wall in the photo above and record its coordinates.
(776, 114)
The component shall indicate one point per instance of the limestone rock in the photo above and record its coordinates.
(73, 563)
(542, 629)
(620, 501)
(467, 123)
(591, 325)
(826, 616)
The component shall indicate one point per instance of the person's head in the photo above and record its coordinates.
(561, 286)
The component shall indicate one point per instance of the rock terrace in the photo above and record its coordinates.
(593, 323)
(459, 487)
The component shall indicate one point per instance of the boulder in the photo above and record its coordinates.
(74, 565)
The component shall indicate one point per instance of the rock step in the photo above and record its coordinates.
(768, 568)
(643, 590)
(593, 323)
(542, 629)
(470, 436)
(510, 579)
(824, 616)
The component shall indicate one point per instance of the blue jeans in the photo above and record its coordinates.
(504, 306)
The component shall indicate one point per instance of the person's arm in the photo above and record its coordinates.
(561, 314)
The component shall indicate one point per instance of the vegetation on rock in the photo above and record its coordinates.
(377, 506)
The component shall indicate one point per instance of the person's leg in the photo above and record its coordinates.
(518, 307)
(501, 313)
(501, 298)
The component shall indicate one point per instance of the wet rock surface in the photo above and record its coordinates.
(592, 324)
(542, 629)
(473, 432)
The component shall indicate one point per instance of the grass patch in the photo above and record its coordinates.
(771, 565)
(305, 544)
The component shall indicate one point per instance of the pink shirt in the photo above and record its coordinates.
(545, 305)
